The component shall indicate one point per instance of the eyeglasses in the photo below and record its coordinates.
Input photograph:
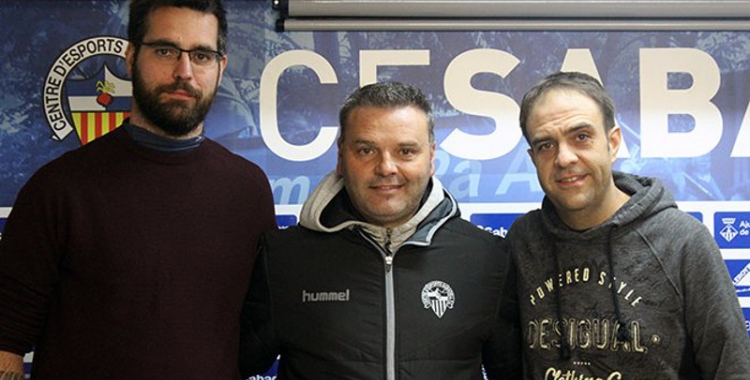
(168, 53)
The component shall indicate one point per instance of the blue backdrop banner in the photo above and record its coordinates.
(682, 101)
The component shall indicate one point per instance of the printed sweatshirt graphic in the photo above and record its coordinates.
(646, 295)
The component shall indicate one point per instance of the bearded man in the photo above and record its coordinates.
(130, 256)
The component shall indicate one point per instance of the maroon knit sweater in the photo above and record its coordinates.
(120, 262)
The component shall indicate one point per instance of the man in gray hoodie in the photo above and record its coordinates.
(614, 281)
(383, 279)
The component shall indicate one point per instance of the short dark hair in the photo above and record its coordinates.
(386, 95)
(583, 83)
(140, 10)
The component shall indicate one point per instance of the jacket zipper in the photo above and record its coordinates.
(388, 253)
(390, 345)
(390, 304)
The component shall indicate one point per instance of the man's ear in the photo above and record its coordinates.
(614, 141)
(339, 157)
(222, 66)
(432, 159)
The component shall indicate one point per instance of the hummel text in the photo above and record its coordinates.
(325, 296)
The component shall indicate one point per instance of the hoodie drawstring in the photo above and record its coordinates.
(623, 333)
(564, 345)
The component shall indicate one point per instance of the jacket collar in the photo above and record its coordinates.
(329, 210)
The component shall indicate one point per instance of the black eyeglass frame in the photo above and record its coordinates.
(190, 52)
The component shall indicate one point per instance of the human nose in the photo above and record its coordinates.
(183, 68)
(386, 166)
(565, 156)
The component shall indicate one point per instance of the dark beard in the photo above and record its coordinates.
(176, 118)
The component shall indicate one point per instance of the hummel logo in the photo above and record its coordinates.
(325, 296)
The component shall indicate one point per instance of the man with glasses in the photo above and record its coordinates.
(130, 257)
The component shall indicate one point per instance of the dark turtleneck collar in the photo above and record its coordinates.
(153, 141)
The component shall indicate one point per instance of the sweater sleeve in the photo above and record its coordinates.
(501, 354)
(29, 253)
(713, 316)
(259, 346)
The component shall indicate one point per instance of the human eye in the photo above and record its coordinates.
(583, 136)
(542, 147)
(202, 56)
(408, 152)
(165, 51)
(364, 150)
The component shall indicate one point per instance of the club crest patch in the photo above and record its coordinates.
(90, 102)
(439, 297)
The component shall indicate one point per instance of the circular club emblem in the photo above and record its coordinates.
(90, 106)
(439, 297)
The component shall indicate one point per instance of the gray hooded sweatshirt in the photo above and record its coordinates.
(644, 295)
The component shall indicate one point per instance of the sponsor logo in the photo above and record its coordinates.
(496, 224)
(91, 106)
(325, 296)
(732, 230)
(728, 232)
(286, 221)
(439, 297)
(739, 270)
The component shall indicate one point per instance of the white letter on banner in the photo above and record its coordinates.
(742, 144)
(369, 60)
(580, 60)
(269, 123)
(464, 97)
(658, 102)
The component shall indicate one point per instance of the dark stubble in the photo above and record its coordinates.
(176, 118)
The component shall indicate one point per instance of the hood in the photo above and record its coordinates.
(647, 197)
(328, 209)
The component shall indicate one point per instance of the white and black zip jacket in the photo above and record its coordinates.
(338, 298)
